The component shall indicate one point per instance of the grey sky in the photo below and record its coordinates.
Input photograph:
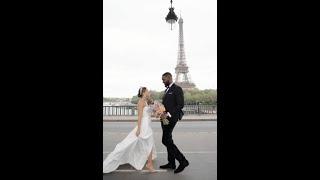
(138, 45)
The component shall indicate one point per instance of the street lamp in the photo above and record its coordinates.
(171, 17)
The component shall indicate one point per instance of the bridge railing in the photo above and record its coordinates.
(132, 110)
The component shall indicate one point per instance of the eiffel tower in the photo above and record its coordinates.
(182, 70)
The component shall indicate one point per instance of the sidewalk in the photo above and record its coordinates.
(195, 117)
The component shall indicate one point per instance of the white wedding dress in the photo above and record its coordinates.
(133, 150)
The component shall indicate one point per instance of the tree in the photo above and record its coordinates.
(207, 96)
(134, 100)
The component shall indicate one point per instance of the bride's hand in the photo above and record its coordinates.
(163, 116)
(138, 132)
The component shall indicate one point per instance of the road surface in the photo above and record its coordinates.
(196, 139)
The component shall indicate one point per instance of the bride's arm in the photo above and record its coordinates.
(140, 111)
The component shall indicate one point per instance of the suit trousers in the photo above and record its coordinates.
(172, 149)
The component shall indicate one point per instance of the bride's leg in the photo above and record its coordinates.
(150, 158)
(149, 162)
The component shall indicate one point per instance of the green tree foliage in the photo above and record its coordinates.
(134, 100)
(207, 96)
(154, 95)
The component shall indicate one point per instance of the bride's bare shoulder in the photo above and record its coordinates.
(141, 103)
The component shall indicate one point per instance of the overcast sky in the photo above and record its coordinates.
(138, 45)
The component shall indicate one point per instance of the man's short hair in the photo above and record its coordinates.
(167, 74)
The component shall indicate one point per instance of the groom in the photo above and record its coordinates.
(173, 101)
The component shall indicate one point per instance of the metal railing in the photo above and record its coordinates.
(132, 110)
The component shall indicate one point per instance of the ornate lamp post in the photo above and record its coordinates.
(171, 17)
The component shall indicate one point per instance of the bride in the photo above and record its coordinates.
(138, 147)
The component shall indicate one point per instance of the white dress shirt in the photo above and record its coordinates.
(169, 87)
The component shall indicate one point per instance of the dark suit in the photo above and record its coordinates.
(173, 101)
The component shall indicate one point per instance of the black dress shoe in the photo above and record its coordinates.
(182, 166)
(168, 166)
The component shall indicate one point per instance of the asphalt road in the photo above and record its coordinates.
(197, 140)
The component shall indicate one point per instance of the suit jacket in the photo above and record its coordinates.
(173, 101)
